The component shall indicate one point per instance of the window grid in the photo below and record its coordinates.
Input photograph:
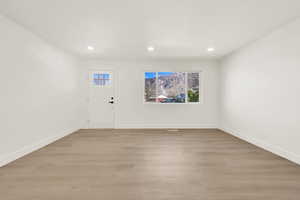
(101, 79)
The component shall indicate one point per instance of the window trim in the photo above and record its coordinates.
(201, 88)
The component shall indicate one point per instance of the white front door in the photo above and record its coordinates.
(101, 99)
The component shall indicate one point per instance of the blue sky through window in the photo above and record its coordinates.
(153, 74)
(101, 76)
(150, 75)
(165, 73)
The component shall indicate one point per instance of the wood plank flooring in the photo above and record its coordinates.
(150, 165)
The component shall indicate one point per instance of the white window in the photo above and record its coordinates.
(101, 79)
(172, 87)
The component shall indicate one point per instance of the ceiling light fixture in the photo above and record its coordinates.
(91, 48)
(210, 49)
(150, 48)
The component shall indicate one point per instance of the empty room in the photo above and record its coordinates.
(149, 99)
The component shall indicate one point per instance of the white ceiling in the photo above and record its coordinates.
(176, 28)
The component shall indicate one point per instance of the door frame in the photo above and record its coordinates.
(113, 86)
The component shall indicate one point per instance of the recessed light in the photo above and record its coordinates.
(91, 48)
(210, 49)
(151, 48)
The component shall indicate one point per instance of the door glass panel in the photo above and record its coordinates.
(101, 79)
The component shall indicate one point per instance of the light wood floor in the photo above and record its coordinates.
(150, 165)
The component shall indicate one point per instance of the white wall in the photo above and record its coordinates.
(260, 92)
(40, 92)
(131, 112)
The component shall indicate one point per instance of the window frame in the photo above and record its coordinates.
(201, 88)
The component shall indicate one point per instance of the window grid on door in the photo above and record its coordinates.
(101, 79)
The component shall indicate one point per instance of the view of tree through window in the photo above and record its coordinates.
(193, 87)
(172, 87)
(150, 86)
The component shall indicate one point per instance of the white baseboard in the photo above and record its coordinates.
(265, 145)
(5, 159)
(171, 126)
